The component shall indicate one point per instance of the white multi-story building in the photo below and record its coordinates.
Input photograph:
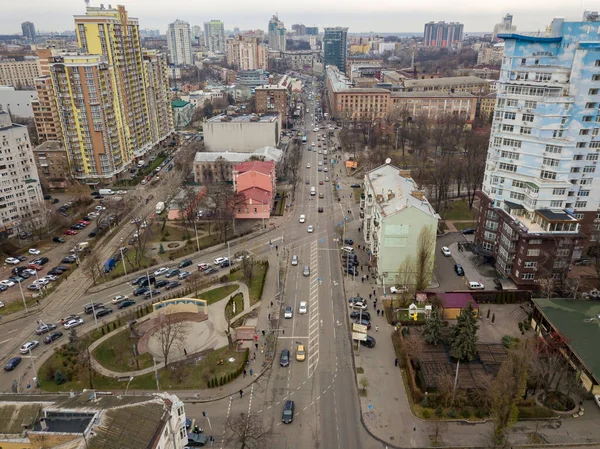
(214, 36)
(179, 40)
(277, 34)
(541, 189)
(21, 199)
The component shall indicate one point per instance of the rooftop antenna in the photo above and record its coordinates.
(87, 3)
(388, 160)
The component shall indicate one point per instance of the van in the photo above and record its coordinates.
(106, 192)
(83, 245)
(324, 152)
(347, 249)
(313, 191)
(140, 164)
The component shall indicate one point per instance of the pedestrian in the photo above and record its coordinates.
(255, 338)
(374, 293)
(395, 362)
(241, 393)
(244, 373)
(251, 372)
(276, 247)
(271, 303)
(37, 301)
(377, 312)
(370, 295)
(254, 356)
(247, 362)
(262, 349)
(184, 351)
(256, 344)
(269, 318)
(377, 327)
(263, 332)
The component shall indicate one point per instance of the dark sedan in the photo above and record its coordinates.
(140, 291)
(12, 364)
(357, 315)
(125, 304)
(172, 284)
(53, 336)
(369, 342)
(459, 269)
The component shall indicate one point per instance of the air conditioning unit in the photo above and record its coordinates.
(528, 110)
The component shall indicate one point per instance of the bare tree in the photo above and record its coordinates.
(248, 264)
(248, 432)
(594, 252)
(412, 346)
(144, 231)
(424, 258)
(224, 202)
(171, 333)
(476, 144)
(418, 139)
(549, 365)
(93, 265)
(292, 169)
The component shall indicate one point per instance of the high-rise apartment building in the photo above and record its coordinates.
(28, 29)
(197, 34)
(246, 53)
(540, 195)
(335, 47)
(277, 34)
(21, 197)
(505, 26)
(214, 36)
(20, 71)
(312, 31)
(160, 116)
(179, 41)
(299, 29)
(443, 34)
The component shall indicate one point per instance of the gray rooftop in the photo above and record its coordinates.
(264, 118)
(50, 145)
(449, 81)
(432, 94)
(268, 153)
(396, 190)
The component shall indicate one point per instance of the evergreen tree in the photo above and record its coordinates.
(464, 336)
(433, 328)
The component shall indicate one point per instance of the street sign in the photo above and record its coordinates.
(359, 328)
(358, 336)
(319, 279)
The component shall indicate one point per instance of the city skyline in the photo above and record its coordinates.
(385, 17)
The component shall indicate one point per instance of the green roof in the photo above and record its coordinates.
(572, 318)
(179, 103)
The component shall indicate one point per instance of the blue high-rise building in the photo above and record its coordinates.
(335, 48)
(541, 192)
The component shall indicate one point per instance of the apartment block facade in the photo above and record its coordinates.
(436, 104)
(443, 34)
(179, 41)
(45, 110)
(247, 53)
(21, 200)
(160, 115)
(335, 47)
(540, 195)
(451, 84)
(275, 98)
(277, 34)
(214, 36)
(19, 72)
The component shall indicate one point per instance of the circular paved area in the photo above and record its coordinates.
(198, 337)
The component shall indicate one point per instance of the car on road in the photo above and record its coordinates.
(140, 291)
(220, 260)
(73, 323)
(459, 269)
(43, 328)
(30, 345)
(184, 274)
(203, 266)
(399, 289)
(476, 286)
(303, 308)
(320, 209)
(349, 242)
(326, 178)
(311, 229)
(468, 231)
(306, 271)
(289, 312)
(226, 264)
(320, 183)
(369, 342)
(446, 251)
(284, 358)
(117, 299)
(12, 364)
(89, 308)
(103, 311)
(172, 285)
(70, 317)
(288, 412)
(355, 186)
(360, 314)
(161, 283)
(210, 271)
(300, 353)
(294, 260)
(174, 272)
(34, 252)
(185, 263)
(12, 260)
(69, 259)
(151, 293)
(161, 271)
(307, 165)
(53, 336)
(302, 218)
(126, 304)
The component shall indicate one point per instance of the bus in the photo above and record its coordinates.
(304, 139)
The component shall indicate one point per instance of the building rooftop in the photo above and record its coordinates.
(258, 166)
(267, 153)
(457, 300)
(448, 81)
(50, 145)
(555, 215)
(432, 94)
(579, 322)
(257, 194)
(395, 192)
(179, 103)
(249, 118)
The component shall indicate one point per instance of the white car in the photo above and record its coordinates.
(288, 313)
(41, 281)
(325, 169)
(446, 251)
(161, 271)
(316, 130)
(302, 218)
(12, 260)
(220, 260)
(34, 252)
(359, 305)
(1, 304)
(30, 271)
(8, 283)
(307, 165)
(117, 299)
(73, 323)
(400, 289)
(29, 346)
(310, 229)
(476, 286)
(99, 208)
(50, 277)
(303, 308)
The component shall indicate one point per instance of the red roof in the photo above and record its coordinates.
(257, 194)
(457, 300)
(259, 166)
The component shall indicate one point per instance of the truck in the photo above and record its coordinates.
(160, 207)
(106, 192)
(109, 264)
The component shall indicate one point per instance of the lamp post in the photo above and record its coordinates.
(23, 296)
(122, 258)
(197, 240)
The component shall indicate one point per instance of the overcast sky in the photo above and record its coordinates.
(359, 15)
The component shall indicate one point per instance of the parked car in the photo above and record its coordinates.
(360, 314)
(34, 252)
(73, 323)
(284, 358)
(399, 289)
(468, 231)
(12, 364)
(288, 412)
(53, 336)
(185, 263)
(173, 284)
(12, 260)
(289, 312)
(126, 304)
(476, 286)
(29, 346)
(369, 342)
(58, 240)
(459, 269)
(355, 186)
(363, 322)
(446, 251)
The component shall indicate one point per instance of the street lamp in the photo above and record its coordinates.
(23, 296)
(122, 258)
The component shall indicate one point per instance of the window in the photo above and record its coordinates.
(584, 193)
(517, 196)
(556, 203)
(593, 91)
(589, 169)
(596, 77)
(510, 115)
(553, 149)
(535, 242)
(518, 184)
(533, 252)
(528, 117)
(575, 169)
(530, 104)
(510, 167)
(587, 118)
(592, 157)
(530, 264)
(512, 143)
(578, 157)
(525, 130)
(550, 162)
(557, 133)
(528, 276)
(509, 155)
(581, 144)
(584, 132)
(580, 204)
(559, 191)
(590, 105)
(497, 141)
(508, 128)
(544, 174)
(595, 144)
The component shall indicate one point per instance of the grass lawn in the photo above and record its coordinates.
(117, 271)
(458, 210)
(116, 354)
(357, 193)
(256, 286)
(217, 294)
(184, 375)
(238, 299)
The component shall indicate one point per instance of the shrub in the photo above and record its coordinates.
(466, 412)
(480, 413)
(224, 279)
(439, 411)
(59, 377)
(427, 413)
(425, 402)
(451, 413)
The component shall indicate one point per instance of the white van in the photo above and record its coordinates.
(313, 191)
(106, 192)
(324, 152)
(347, 249)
